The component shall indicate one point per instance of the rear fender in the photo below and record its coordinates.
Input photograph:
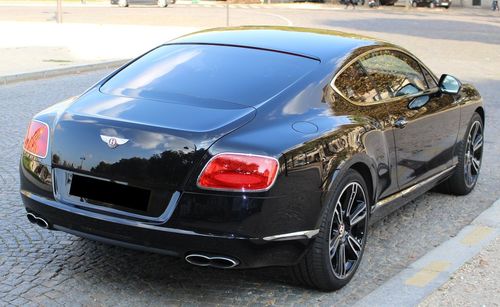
(339, 172)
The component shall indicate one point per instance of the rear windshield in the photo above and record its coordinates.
(209, 72)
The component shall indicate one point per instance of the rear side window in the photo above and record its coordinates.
(394, 73)
(355, 85)
(209, 72)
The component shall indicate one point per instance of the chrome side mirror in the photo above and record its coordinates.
(449, 84)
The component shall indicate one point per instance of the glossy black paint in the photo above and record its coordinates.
(314, 132)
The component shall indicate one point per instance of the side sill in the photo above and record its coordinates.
(413, 188)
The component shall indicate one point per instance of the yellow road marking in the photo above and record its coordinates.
(476, 235)
(427, 274)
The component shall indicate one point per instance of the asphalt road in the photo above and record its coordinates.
(44, 267)
(214, 14)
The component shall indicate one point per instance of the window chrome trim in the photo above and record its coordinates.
(407, 53)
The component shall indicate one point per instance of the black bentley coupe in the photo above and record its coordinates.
(252, 146)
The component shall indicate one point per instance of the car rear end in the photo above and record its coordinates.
(129, 162)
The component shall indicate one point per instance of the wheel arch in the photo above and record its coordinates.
(480, 111)
(361, 163)
(365, 172)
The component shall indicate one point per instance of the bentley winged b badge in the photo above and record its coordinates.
(112, 141)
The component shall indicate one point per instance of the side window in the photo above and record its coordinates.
(354, 84)
(394, 73)
(428, 77)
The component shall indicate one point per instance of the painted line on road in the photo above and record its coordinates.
(424, 276)
(476, 235)
(427, 274)
(49, 73)
(288, 21)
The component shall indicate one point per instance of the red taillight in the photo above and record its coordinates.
(239, 172)
(36, 141)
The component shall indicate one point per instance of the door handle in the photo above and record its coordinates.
(400, 123)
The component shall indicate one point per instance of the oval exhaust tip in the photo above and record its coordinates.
(37, 220)
(31, 217)
(220, 262)
(200, 260)
(223, 262)
(42, 223)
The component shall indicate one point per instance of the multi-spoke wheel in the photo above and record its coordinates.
(473, 153)
(347, 230)
(469, 159)
(336, 252)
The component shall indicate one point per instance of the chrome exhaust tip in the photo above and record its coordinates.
(42, 223)
(223, 262)
(37, 220)
(31, 217)
(220, 262)
(199, 260)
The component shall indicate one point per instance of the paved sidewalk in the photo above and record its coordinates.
(477, 283)
(28, 47)
(462, 271)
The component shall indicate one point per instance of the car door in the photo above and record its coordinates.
(425, 121)
(362, 101)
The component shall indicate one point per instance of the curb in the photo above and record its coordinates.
(424, 276)
(75, 69)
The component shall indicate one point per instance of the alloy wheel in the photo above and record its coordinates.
(473, 153)
(348, 230)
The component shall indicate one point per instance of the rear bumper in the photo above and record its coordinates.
(250, 252)
(267, 229)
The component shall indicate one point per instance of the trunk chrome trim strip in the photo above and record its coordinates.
(307, 234)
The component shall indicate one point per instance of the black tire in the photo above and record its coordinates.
(459, 183)
(316, 269)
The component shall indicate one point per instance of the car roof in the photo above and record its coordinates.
(319, 44)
